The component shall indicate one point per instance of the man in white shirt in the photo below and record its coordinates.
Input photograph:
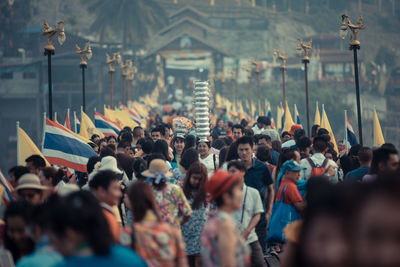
(249, 215)
(318, 159)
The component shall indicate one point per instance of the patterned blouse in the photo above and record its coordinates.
(209, 243)
(172, 204)
(192, 229)
(159, 244)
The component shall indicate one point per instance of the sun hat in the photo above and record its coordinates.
(67, 189)
(108, 163)
(30, 181)
(157, 170)
(291, 165)
(221, 181)
(294, 128)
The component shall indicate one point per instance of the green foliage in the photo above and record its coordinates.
(134, 20)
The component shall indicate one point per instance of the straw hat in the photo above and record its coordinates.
(30, 181)
(157, 168)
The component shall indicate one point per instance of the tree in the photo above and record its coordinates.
(134, 20)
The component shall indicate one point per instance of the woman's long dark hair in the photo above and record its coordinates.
(23, 210)
(81, 212)
(200, 197)
(142, 199)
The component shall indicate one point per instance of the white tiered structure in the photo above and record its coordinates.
(201, 108)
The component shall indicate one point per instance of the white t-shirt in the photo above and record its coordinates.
(318, 159)
(251, 205)
(209, 163)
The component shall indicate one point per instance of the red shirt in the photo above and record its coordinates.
(292, 194)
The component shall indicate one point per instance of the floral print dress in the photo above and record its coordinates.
(172, 204)
(158, 243)
(192, 229)
(209, 243)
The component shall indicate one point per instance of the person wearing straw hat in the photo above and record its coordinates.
(172, 203)
(30, 189)
(221, 241)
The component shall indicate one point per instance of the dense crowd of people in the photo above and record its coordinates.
(247, 196)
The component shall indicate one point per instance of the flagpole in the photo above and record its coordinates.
(44, 124)
(345, 131)
(75, 128)
(373, 128)
(17, 142)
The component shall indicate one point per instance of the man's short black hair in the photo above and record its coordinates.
(37, 161)
(365, 154)
(264, 120)
(94, 136)
(320, 144)
(238, 164)
(245, 140)
(159, 129)
(18, 171)
(322, 131)
(298, 134)
(124, 143)
(229, 124)
(103, 179)
(238, 126)
(304, 142)
(379, 155)
(285, 133)
(264, 136)
(263, 153)
(136, 131)
(146, 144)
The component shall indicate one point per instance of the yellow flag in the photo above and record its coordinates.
(279, 118)
(325, 124)
(121, 117)
(288, 119)
(26, 147)
(87, 127)
(378, 136)
(252, 110)
(317, 119)
(218, 99)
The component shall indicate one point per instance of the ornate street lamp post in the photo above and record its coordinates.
(283, 69)
(354, 45)
(110, 61)
(49, 51)
(85, 54)
(305, 60)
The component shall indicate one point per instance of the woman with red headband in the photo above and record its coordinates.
(221, 242)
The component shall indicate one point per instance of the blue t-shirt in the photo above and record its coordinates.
(357, 174)
(258, 177)
(119, 256)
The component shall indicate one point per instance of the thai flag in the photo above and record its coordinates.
(67, 123)
(268, 111)
(77, 123)
(296, 115)
(132, 114)
(351, 137)
(61, 147)
(106, 126)
(8, 188)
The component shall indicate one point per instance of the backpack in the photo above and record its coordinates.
(317, 170)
